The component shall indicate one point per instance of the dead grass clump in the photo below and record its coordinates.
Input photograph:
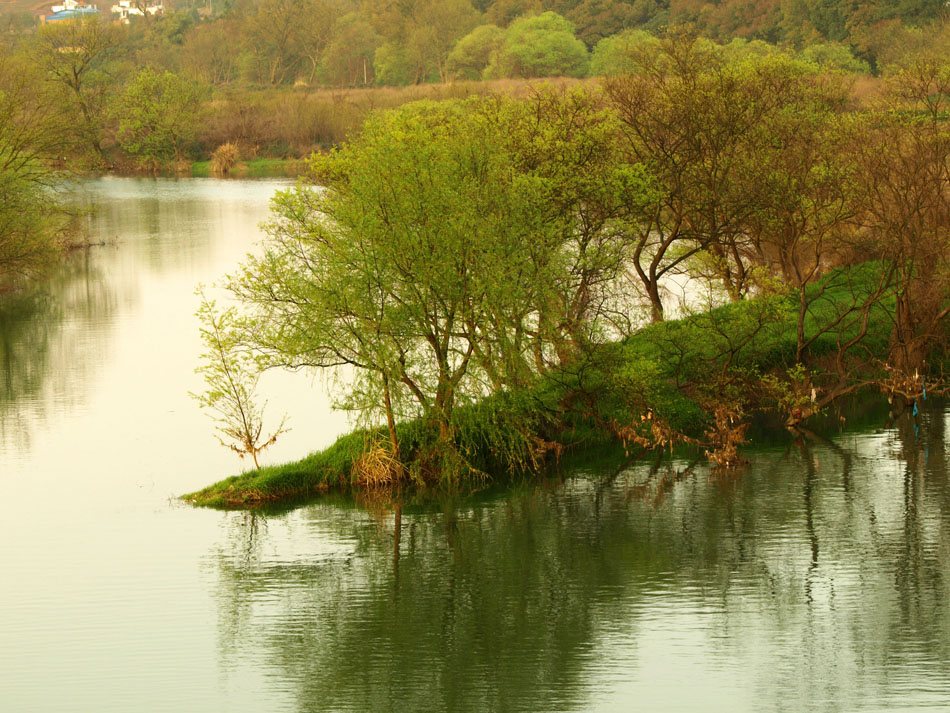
(377, 466)
(224, 158)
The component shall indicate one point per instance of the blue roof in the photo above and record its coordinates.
(71, 14)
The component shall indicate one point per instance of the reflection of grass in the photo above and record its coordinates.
(664, 369)
(257, 168)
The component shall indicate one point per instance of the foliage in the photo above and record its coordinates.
(539, 46)
(81, 59)
(598, 19)
(33, 217)
(159, 116)
(231, 376)
(834, 56)
(648, 388)
(348, 59)
(30, 235)
(616, 54)
(446, 257)
(472, 53)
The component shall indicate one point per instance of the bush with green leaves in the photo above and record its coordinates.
(159, 115)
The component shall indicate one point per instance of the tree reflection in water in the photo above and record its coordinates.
(46, 354)
(810, 581)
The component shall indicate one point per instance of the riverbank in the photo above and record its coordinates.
(694, 382)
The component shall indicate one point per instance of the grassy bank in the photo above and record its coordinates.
(654, 389)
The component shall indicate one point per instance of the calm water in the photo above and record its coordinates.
(816, 581)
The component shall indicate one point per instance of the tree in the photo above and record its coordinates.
(616, 54)
(439, 25)
(698, 122)
(597, 19)
(314, 31)
(834, 56)
(32, 215)
(684, 116)
(159, 115)
(904, 162)
(348, 58)
(420, 34)
(540, 46)
(209, 55)
(504, 12)
(390, 269)
(79, 58)
(456, 249)
(232, 378)
(472, 53)
(270, 32)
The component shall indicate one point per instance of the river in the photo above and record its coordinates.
(816, 580)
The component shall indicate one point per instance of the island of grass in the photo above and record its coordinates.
(664, 385)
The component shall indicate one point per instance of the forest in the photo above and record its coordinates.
(281, 78)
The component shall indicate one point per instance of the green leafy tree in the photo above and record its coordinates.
(740, 48)
(420, 33)
(81, 59)
(540, 46)
(159, 116)
(616, 54)
(471, 54)
(231, 376)
(393, 64)
(834, 56)
(390, 269)
(457, 249)
(33, 217)
(348, 58)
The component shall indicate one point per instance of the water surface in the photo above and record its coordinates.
(816, 580)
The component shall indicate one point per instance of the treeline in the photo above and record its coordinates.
(496, 272)
(346, 43)
(281, 78)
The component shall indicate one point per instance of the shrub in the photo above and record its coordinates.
(224, 158)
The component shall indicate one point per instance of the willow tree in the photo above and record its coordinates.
(438, 257)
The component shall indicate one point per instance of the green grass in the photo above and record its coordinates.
(256, 168)
(670, 368)
(201, 169)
